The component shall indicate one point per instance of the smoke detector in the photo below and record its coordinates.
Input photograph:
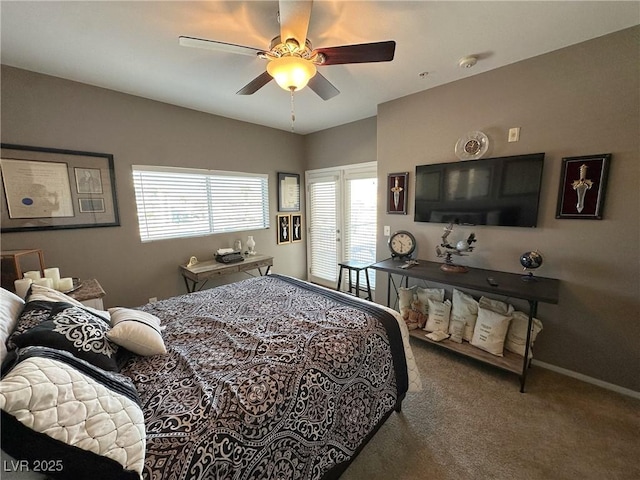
(467, 62)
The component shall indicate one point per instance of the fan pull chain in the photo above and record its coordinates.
(293, 113)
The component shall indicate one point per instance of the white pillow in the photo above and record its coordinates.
(10, 307)
(138, 332)
(405, 301)
(456, 330)
(120, 314)
(491, 331)
(424, 294)
(40, 292)
(464, 309)
(405, 297)
(438, 319)
(437, 336)
(496, 305)
(517, 334)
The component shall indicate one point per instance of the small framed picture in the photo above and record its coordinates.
(284, 229)
(296, 228)
(88, 180)
(288, 192)
(397, 193)
(583, 182)
(91, 205)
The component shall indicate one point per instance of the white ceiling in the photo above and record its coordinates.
(132, 47)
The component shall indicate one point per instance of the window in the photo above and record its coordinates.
(185, 202)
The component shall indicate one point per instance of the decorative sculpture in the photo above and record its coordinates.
(460, 249)
(581, 186)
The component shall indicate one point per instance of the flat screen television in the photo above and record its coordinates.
(491, 191)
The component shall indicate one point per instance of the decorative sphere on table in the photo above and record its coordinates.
(446, 249)
(462, 246)
(531, 261)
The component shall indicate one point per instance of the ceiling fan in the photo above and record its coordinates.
(292, 60)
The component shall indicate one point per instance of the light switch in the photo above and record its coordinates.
(387, 230)
(514, 134)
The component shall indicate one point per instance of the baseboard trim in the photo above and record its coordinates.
(585, 378)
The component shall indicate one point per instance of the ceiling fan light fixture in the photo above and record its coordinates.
(291, 72)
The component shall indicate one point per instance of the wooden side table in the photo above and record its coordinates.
(203, 271)
(12, 268)
(90, 294)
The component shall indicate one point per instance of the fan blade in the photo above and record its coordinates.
(220, 46)
(256, 84)
(362, 53)
(294, 20)
(323, 87)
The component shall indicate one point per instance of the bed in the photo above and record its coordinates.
(270, 377)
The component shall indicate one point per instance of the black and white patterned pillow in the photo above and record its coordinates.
(75, 330)
(33, 313)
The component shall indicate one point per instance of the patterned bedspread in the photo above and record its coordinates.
(268, 378)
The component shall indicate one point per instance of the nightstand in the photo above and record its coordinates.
(12, 267)
(90, 294)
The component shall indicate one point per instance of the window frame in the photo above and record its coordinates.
(209, 218)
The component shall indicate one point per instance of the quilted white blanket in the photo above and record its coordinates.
(58, 400)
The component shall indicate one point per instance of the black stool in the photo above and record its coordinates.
(355, 266)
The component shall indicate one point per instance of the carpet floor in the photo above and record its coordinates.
(471, 422)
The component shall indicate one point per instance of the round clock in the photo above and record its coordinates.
(472, 145)
(402, 244)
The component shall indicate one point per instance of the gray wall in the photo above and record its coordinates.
(577, 101)
(581, 100)
(40, 110)
(344, 145)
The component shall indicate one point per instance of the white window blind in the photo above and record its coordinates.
(181, 202)
(341, 216)
(323, 224)
(360, 223)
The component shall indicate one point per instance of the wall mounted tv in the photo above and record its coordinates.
(491, 191)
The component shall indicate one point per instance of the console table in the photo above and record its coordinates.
(203, 271)
(508, 285)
